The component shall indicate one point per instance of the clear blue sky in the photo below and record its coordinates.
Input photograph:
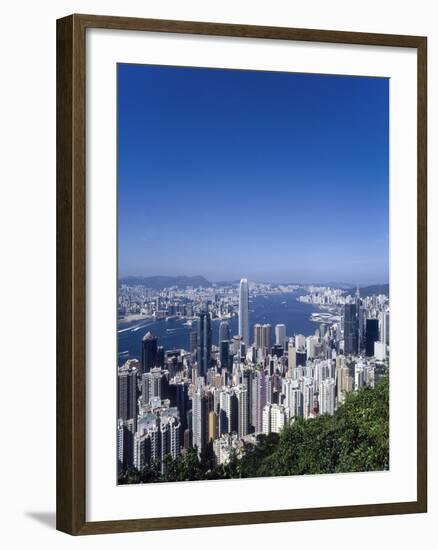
(270, 176)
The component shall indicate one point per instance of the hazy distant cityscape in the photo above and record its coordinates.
(219, 398)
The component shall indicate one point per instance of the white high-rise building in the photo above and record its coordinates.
(170, 428)
(384, 326)
(300, 341)
(158, 436)
(266, 419)
(380, 351)
(274, 418)
(227, 411)
(312, 347)
(384, 333)
(243, 311)
(280, 416)
(293, 398)
(280, 334)
(327, 396)
(359, 376)
(198, 419)
(308, 392)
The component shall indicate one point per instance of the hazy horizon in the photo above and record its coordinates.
(260, 281)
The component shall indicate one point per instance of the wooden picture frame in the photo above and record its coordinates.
(71, 273)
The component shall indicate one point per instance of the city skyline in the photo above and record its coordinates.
(253, 310)
(314, 147)
(206, 410)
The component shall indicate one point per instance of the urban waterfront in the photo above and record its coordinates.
(275, 309)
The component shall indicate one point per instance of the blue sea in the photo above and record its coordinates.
(273, 309)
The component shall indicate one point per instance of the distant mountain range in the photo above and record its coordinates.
(157, 282)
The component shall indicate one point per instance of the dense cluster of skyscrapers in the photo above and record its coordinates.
(224, 395)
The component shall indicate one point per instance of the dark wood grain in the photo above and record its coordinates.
(71, 269)
(247, 518)
(64, 273)
(422, 275)
(71, 233)
(248, 31)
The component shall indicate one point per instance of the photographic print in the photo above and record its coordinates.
(253, 274)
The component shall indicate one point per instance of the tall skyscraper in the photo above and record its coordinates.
(300, 341)
(280, 334)
(371, 336)
(351, 329)
(258, 336)
(327, 396)
(291, 359)
(312, 347)
(274, 418)
(247, 378)
(153, 384)
(125, 443)
(224, 331)
(242, 400)
(344, 380)
(228, 411)
(259, 398)
(179, 396)
(149, 348)
(204, 343)
(127, 391)
(361, 320)
(384, 327)
(266, 336)
(301, 357)
(224, 348)
(293, 397)
(157, 437)
(200, 410)
(193, 341)
(308, 393)
(213, 426)
(160, 356)
(147, 447)
(243, 311)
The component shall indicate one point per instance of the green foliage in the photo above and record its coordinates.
(129, 475)
(354, 439)
(186, 467)
(151, 473)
